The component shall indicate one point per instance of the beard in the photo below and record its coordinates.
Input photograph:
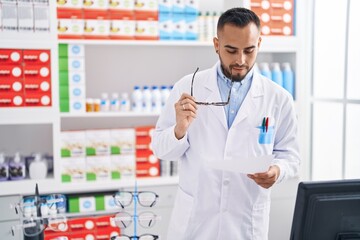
(228, 73)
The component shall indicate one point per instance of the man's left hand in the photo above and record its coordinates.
(266, 179)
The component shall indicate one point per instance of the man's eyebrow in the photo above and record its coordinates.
(235, 48)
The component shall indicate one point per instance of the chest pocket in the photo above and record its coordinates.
(261, 142)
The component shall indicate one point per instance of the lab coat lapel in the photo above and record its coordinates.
(250, 102)
(214, 96)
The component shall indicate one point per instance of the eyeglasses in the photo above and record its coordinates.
(34, 226)
(141, 237)
(145, 219)
(211, 103)
(145, 199)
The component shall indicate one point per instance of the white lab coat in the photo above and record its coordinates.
(215, 204)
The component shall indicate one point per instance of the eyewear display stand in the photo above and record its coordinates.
(145, 219)
(34, 216)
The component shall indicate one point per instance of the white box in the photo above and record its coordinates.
(123, 166)
(41, 17)
(73, 169)
(77, 78)
(98, 142)
(72, 143)
(25, 16)
(76, 50)
(76, 64)
(87, 204)
(77, 105)
(70, 27)
(98, 168)
(122, 141)
(9, 16)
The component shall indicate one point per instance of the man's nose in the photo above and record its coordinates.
(240, 58)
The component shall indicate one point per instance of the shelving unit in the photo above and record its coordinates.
(116, 66)
(182, 57)
(174, 59)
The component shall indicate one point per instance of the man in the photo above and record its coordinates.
(204, 122)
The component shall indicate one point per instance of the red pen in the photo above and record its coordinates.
(267, 124)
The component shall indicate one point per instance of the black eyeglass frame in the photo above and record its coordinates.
(136, 237)
(220, 104)
(135, 194)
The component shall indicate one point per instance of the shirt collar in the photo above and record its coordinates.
(221, 75)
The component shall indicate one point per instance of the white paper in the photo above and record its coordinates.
(248, 165)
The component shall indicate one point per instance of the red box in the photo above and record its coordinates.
(36, 99)
(11, 86)
(146, 156)
(11, 100)
(36, 57)
(11, 72)
(37, 71)
(37, 86)
(85, 235)
(143, 142)
(11, 56)
(148, 170)
(56, 235)
(144, 131)
(81, 224)
(106, 233)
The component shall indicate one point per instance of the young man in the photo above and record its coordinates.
(204, 122)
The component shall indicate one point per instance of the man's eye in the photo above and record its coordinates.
(231, 52)
(249, 51)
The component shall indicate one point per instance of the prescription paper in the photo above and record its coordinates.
(247, 165)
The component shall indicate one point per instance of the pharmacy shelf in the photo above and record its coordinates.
(269, 43)
(33, 40)
(108, 114)
(28, 115)
(136, 42)
(48, 186)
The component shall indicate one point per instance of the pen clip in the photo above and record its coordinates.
(263, 124)
(267, 124)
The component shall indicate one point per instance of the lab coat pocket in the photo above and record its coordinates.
(180, 216)
(266, 136)
(260, 220)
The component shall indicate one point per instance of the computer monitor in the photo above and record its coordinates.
(327, 210)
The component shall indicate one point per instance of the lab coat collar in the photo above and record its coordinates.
(256, 90)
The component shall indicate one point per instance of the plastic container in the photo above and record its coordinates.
(276, 74)
(147, 99)
(265, 70)
(4, 168)
(105, 103)
(156, 99)
(288, 78)
(38, 167)
(125, 105)
(165, 93)
(137, 98)
(114, 102)
(17, 168)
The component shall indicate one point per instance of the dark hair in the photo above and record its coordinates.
(239, 17)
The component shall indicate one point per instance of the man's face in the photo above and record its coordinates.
(237, 48)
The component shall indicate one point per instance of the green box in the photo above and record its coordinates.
(63, 78)
(64, 92)
(74, 204)
(64, 105)
(63, 50)
(100, 202)
(63, 64)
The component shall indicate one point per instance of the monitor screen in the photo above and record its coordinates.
(328, 210)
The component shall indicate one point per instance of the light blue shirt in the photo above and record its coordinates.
(238, 93)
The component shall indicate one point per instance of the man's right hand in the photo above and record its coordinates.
(185, 110)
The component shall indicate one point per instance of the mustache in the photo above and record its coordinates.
(231, 66)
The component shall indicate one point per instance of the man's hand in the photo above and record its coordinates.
(185, 110)
(266, 179)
